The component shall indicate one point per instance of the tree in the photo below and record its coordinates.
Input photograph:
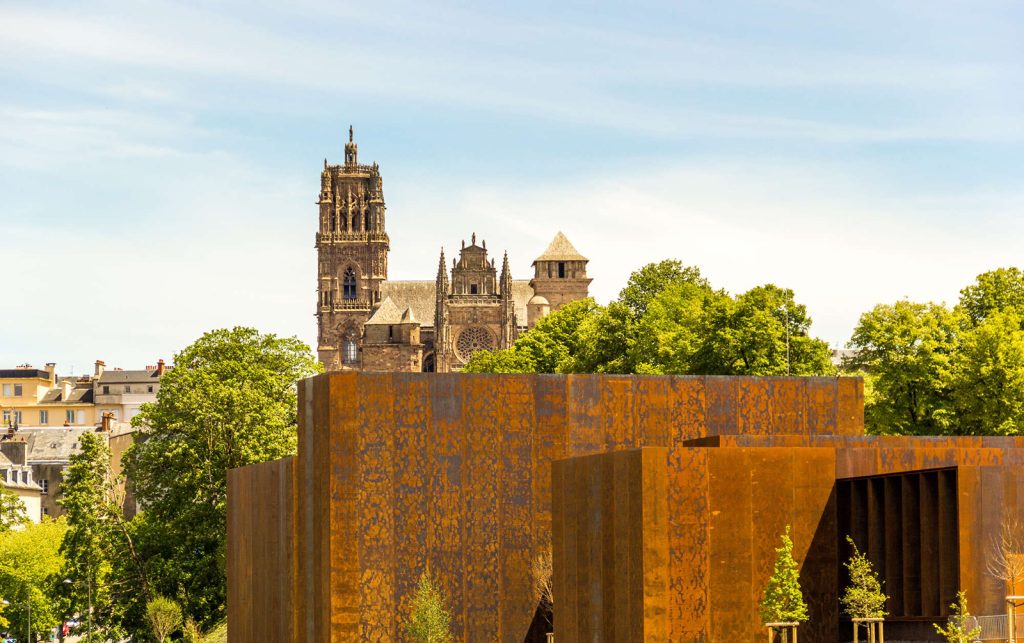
(12, 510)
(958, 628)
(1006, 554)
(229, 401)
(30, 565)
(908, 349)
(499, 361)
(164, 616)
(783, 601)
(429, 620)
(766, 333)
(541, 570)
(998, 290)
(987, 381)
(863, 597)
(645, 283)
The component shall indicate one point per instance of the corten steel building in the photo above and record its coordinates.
(662, 499)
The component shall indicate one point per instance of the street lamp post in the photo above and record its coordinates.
(88, 585)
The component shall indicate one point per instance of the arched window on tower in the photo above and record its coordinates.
(349, 349)
(348, 285)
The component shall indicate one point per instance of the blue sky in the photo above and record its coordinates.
(159, 162)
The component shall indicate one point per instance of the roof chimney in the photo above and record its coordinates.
(107, 419)
(51, 368)
(160, 367)
(100, 365)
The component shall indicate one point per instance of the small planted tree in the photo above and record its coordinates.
(541, 571)
(163, 616)
(783, 601)
(958, 628)
(863, 597)
(429, 620)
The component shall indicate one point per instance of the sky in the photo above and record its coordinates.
(160, 161)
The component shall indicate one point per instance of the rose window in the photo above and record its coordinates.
(471, 340)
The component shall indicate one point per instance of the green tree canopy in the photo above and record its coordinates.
(988, 376)
(668, 319)
(30, 566)
(783, 601)
(863, 597)
(164, 616)
(997, 290)
(908, 348)
(229, 401)
(429, 620)
(12, 510)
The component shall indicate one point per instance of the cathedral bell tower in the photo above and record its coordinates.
(352, 251)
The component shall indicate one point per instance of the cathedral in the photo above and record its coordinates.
(367, 322)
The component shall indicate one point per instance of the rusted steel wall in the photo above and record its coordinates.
(610, 532)
(752, 494)
(404, 470)
(261, 552)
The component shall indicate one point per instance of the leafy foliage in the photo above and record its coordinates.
(30, 565)
(429, 620)
(988, 376)
(783, 601)
(863, 597)
(958, 628)
(668, 319)
(998, 290)
(101, 558)
(908, 348)
(229, 401)
(164, 616)
(12, 510)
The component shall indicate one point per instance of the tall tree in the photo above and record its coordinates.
(997, 290)
(908, 349)
(988, 377)
(783, 600)
(102, 559)
(229, 401)
(30, 566)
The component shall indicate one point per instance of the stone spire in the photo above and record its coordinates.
(442, 341)
(508, 311)
(351, 149)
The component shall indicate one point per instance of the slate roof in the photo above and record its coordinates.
(560, 250)
(23, 373)
(53, 445)
(77, 395)
(421, 298)
(387, 313)
(127, 377)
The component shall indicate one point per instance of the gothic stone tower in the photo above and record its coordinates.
(560, 276)
(476, 311)
(352, 250)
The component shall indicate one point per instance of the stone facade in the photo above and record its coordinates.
(369, 323)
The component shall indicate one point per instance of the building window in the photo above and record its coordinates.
(127, 388)
(349, 351)
(348, 284)
(45, 485)
(8, 390)
(17, 390)
(7, 417)
(69, 416)
(149, 389)
(106, 390)
(44, 417)
(17, 417)
(561, 270)
(472, 289)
